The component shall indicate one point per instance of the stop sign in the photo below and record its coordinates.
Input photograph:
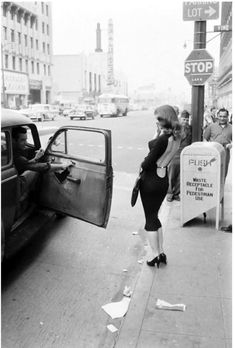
(198, 67)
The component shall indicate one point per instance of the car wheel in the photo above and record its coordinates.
(101, 115)
(71, 118)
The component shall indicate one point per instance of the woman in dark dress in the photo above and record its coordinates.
(154, 185)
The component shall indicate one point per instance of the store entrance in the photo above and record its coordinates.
(35, 96)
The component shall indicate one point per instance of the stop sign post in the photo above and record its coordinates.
(198, 67)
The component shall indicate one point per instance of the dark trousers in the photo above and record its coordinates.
(174, 177)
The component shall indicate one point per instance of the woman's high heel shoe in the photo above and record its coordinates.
(163, 258)
(154, 261)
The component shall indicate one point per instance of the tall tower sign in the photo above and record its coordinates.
(110, 77)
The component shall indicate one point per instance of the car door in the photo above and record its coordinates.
(86, 192)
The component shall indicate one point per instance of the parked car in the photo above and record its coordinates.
(46, 111)
(77, 113)
(34, 116)
(85, 193)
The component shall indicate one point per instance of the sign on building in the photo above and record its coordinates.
(198, 67)
(201, 179)
(16, 83)
(200, 11)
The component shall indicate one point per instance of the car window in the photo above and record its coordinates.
(5, 148)
(30, 140)
(80, 144)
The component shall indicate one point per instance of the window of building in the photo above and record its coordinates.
(42, 4)
(25, 40)
(32, 67)
(18, 17)
(20, 64)
(37, 44)
(6, 61)
(19, 38)
(48, 48)
(12, 35)
(36, 24)
(49, 70)
(12, 13)
(31, 42)
(26, 65)
(44, 47)
(47, 10)
(4, 10)
(48, 29)
(43, 27)
(44, 67)
(90, 81)
(38, 69)
(25, 19)
(13, 63)
(5, 33)
(31, 22)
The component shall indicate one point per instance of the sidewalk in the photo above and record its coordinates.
(198, 274)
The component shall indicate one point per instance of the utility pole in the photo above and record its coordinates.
(198, 91)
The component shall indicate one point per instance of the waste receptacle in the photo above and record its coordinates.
(202, 168)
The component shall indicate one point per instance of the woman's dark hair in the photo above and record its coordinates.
(167, 116)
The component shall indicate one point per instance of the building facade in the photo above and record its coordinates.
(224, 80)
(76, 77)
(26, 52)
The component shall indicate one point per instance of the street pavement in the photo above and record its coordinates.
(198, 274)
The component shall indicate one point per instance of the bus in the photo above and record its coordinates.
(112, 105)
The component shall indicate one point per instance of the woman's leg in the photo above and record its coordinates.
(153, 242)
(160, 240)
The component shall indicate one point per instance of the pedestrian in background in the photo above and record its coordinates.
(154, 179)
(221, 132)
(174, 166)
(209, 117)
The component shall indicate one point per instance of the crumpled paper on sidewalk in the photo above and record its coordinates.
(127, 291)
(161, 304)
(117, 309)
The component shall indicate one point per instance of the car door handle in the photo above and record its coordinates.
(77, 181)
